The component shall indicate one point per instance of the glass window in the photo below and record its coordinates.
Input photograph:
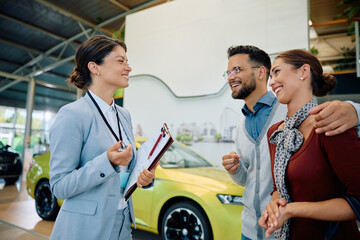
(178, 156)
(12, 128)
(6, 125)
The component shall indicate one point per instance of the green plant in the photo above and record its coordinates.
(217, 136)
(314, 50)
(184, 138)
(18, 142)
(118, 34)
(351, 12)
(348, 60)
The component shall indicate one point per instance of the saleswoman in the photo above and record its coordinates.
(91, 143)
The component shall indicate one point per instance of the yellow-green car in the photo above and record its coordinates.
(190, 199)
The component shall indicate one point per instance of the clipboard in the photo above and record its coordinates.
(148, 155)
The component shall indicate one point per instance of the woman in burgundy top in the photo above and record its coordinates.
(312, 172)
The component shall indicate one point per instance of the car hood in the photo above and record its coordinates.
(9, 152)
(212, 178)
(43, 158)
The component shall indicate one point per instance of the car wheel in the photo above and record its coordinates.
(16, 170)
(11, 180)
(185, 220)
(45, 202)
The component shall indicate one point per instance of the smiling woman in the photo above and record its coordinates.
(315, 177)
(85, 163)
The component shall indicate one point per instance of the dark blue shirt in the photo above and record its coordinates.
(254, 122)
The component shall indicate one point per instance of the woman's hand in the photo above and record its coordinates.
(119, 158)
(283, 216)
(270, 229)
(263, 220)
(273, 211)
(146, 177)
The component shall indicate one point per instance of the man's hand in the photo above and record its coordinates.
(231, 162)
(119, 158)
(146, 177)
(334, 117)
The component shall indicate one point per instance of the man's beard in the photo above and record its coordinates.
(245, 90)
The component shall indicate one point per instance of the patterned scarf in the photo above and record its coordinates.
(287, 141)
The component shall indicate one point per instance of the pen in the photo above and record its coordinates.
(156, 143)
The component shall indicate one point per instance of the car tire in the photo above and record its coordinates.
(45, 202)
(11, 180)
(185, 220)
(15, 170)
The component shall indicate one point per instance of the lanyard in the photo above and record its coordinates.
(106, 122)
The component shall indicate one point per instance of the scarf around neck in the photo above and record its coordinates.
(288, 141)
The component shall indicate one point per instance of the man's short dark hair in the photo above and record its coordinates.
(256, 55)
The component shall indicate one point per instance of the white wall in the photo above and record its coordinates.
(184, 43)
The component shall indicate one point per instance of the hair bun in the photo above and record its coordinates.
(76, 78)
(78, 71)
(325, 84)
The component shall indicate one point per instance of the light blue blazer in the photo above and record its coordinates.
(81, 173)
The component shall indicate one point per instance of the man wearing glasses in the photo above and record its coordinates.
(247, 75)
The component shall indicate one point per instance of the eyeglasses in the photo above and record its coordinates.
(236, 70)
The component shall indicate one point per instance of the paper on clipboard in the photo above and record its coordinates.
(157, 146)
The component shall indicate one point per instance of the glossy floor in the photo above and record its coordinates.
(18, 218)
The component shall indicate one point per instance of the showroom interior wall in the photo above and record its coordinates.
(178, 54)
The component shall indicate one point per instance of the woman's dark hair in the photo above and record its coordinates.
(321, 83)
(95, 49)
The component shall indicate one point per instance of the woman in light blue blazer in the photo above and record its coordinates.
(92, 153)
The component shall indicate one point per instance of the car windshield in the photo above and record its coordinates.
(178, 156)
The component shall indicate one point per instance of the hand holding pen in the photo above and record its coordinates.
(117, 157)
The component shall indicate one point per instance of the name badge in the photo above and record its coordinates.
(124, 177)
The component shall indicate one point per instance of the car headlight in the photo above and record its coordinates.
(17, 159)
(230, 199)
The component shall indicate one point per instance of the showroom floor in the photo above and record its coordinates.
(19, 220)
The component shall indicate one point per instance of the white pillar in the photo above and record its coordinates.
(14, 127)
(29, 110)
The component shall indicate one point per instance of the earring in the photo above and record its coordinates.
(301, 78)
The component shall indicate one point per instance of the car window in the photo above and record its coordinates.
(178, 156)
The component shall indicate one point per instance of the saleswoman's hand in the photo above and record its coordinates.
(146, 177)
(119, 158)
